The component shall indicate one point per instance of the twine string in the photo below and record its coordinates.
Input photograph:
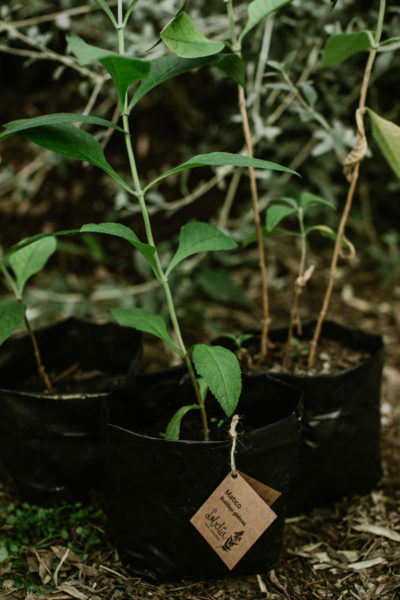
(233, 434)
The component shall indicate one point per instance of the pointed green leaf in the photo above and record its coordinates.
(174, 426)
(390, 41)
(123, 69)
(103, 4)
(143, 320)
(167, 67)
(12, 313)
(232, 65)
(329, 233)
(387, 136)
(252, 237)
(341, 46)
(30, 260)
(124, 232)
(220, 159)
(199, 237)
(86, 53)
(39, 236)
(258, 9)
(308, 200)
(182, 37)
(276, 214)
(70, 141)
(219, 285)
(21, 125)
(220, 369)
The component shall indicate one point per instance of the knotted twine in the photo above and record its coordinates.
(233, 434)
(360, 149)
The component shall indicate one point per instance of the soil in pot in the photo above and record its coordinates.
(49, 442)
(340, 449)
(155, 486)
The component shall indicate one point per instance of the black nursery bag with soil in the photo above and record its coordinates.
(340, 448)
(155, 486)
(49, 442)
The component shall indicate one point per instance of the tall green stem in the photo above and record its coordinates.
(150, 238)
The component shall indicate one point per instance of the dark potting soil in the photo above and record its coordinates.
(331, 356)
(72, 380)
(191, 426)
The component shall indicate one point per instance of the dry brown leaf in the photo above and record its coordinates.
(72, 591)
(378, 530)
(366, 564)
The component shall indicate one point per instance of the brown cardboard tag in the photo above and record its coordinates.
(233, 518)
(268, 494)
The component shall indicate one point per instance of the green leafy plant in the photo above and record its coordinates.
(17, 268)
(275, 214)
(217, 366)
(76, 526)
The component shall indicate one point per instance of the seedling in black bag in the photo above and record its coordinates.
(217, 368)
(17, 268)
(278, 211)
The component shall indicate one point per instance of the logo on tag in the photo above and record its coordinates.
(235, 515)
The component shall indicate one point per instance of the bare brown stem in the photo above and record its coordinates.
(42, 371)
(352, 170)
(257, 222)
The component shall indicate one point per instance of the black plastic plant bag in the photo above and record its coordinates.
(50, 443)
(154, 486)
(340, 448)
(340, 451)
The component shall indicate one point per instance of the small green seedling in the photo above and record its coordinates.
(277, 212)
(17, 268)
(217, 366)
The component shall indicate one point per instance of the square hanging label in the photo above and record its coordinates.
(234, 517)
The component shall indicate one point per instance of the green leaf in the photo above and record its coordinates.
(174, 426)
(258, 9)
(86, 53)
(30, 260)
(221, 371)
(12, 313)
(387, 136)
(252, 237)
(70, 141)
(220, 159)
(219, 285)
(39, 236)
(123, 69)
(121, 231)
(103, 4)
(182, 37)
(308, 200)
(276, 214)
(167, 67)
(341, 46)
(143, 320)
(199, 237)
(21, 125)
(329, 233)
(232, 65)
(388, 42)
